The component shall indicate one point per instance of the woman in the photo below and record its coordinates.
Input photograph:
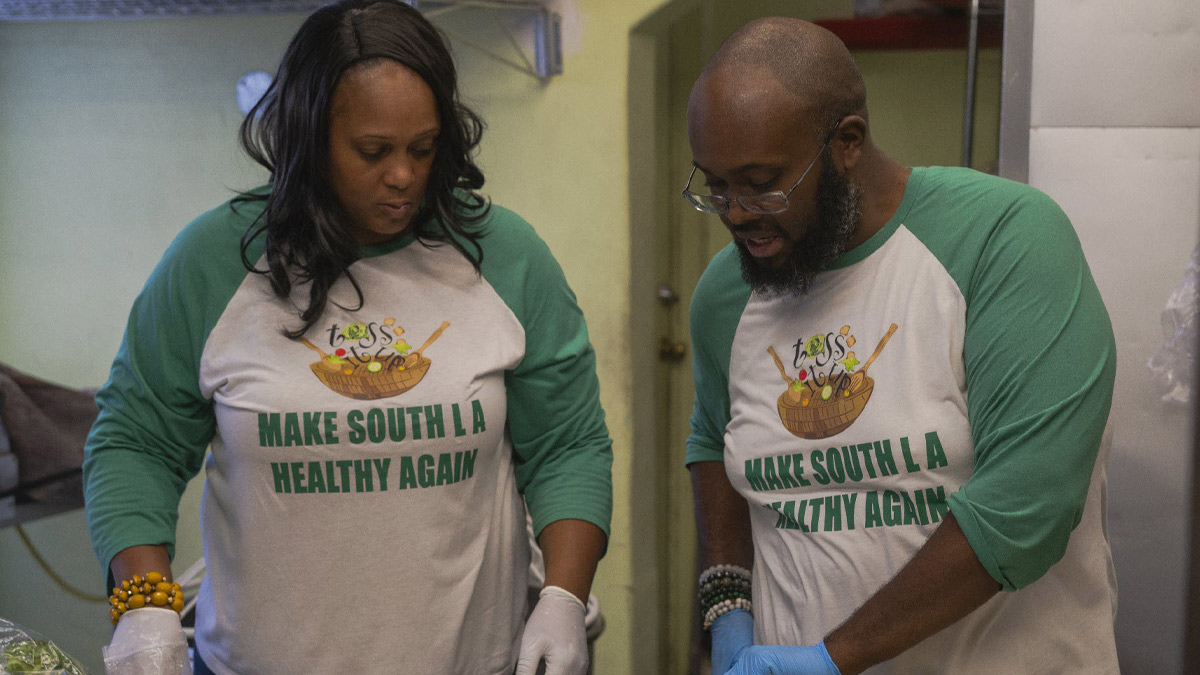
(388, 370)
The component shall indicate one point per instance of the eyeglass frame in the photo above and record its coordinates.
(688, 195)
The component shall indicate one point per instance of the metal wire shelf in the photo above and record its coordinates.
(546, 35)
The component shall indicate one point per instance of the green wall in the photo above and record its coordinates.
(915, 97)
(114, 134)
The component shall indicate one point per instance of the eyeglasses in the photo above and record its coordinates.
(764, 203)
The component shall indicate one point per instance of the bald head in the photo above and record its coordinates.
(815, 75)
(760, 120)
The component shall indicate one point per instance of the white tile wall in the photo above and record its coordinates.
(1133, 195)
(1116, 63)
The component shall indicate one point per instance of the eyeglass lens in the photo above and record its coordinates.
(763, 204)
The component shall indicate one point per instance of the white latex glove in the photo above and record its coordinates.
(555, 634)
(148, 641)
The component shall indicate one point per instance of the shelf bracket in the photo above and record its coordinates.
(547, 33)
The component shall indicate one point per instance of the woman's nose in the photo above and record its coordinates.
(399, 173)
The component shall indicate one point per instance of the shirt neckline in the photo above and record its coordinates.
(872, 244)
(373, 250)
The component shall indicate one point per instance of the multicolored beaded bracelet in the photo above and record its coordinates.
(722, 589)
(724, 607)
(725, 570)
(151, 590)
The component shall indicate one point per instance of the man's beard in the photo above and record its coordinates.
(838, 213)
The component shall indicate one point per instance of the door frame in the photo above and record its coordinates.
(662, 643)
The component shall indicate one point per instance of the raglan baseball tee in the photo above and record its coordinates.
(960, 361)
(365, 503)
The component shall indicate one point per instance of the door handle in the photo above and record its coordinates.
(671, 351)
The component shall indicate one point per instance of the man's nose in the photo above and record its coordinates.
(739, 215)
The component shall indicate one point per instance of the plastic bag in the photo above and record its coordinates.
(26, 652)
(148, 641)
(1173, 363)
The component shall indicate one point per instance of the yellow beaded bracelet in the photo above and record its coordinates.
(148, 591)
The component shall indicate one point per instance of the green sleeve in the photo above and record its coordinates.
(716, 308)
(1040, 361)
(563, 451)
(154, 424)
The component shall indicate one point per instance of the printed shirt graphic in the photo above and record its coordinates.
(961, 360)
(364, 508)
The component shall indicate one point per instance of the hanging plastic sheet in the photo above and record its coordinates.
(1173, 363)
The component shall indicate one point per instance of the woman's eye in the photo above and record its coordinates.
(372, 154)
(422, 152)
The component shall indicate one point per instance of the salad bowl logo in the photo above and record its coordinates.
(368, 361)
(829, 391)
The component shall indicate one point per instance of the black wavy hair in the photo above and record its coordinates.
(287, 131)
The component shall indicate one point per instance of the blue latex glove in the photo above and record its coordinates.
(731, 633)
(770, 660)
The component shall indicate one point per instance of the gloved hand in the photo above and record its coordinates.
(772, 660)
(555, 634)
(731, 633)
(148, 641)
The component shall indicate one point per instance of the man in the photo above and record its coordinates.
(943, 511)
